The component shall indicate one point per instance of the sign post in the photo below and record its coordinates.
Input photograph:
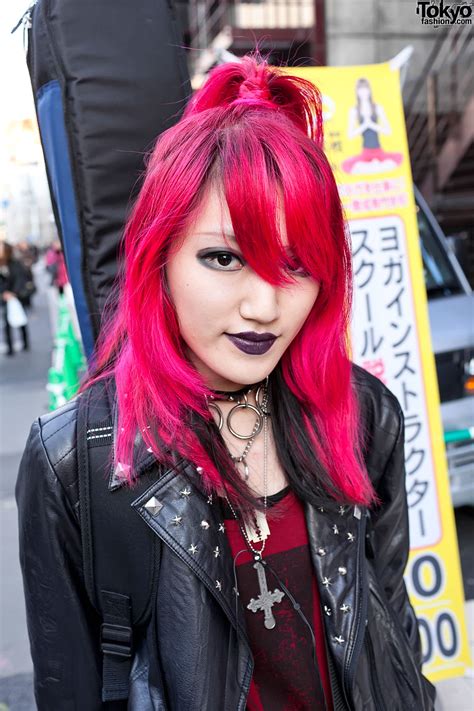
(365, 140)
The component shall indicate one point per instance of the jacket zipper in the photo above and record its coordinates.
(372, 676)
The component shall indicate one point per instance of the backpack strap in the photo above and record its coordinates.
(120, 554)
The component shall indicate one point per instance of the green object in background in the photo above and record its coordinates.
(68, 361)
(459, 435)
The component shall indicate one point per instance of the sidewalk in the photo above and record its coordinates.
(458, 694)
(23, 396)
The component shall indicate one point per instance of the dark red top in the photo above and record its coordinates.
(285, 676)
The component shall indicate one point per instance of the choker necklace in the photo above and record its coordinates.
(233, 394)
(260, 409)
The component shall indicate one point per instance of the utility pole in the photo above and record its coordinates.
(319, 33)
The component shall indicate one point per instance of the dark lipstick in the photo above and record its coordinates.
(251, 342)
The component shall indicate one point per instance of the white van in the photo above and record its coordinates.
(451, 310)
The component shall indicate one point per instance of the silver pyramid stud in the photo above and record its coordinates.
(321, 551)
(205, 525)
(199, 470)
(121, 470)
(153, 506)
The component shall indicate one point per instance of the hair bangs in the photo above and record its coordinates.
(274, 181)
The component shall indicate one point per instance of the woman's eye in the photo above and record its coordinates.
(226, 261)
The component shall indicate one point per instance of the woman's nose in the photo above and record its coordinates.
(260, 302)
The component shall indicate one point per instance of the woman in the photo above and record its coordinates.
(14, 283)
(264, 447)
(56, 267)
(368, 120)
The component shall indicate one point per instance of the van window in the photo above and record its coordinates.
(440, 277)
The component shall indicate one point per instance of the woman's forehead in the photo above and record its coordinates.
(213, 218)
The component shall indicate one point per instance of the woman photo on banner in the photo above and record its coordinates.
(369, 121)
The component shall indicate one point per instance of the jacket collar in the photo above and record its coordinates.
(143, 457)
(191, 524)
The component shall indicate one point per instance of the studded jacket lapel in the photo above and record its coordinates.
(337, 543)
(188, 521)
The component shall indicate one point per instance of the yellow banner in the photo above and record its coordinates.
(366, 142)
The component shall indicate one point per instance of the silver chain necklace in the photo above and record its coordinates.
(267, 598)
(258, 523)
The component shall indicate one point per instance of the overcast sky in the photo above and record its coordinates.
(16, 100)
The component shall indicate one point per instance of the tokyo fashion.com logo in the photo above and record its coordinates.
(442, 13)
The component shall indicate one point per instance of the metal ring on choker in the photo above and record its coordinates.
(214, 407)
(258, 424)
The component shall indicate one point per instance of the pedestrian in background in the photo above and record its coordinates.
(27, 256)
(56, 267)
(13, 284)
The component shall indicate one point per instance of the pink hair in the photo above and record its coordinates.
(256, 132)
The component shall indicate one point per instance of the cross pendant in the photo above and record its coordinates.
(266, 599)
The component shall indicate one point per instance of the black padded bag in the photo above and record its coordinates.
(108, 76)
(121, 555)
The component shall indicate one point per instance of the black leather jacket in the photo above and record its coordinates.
(194, 654)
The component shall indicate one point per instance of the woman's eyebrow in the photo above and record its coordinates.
(219, 233)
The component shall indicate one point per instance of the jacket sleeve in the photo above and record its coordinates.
(391, 542)
(390, 537)
(62, 625)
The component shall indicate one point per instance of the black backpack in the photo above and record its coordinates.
(120, 579)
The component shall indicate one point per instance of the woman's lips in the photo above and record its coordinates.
(251, 342)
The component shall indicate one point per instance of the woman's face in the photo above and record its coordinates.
(236, 325)
(363, 91)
